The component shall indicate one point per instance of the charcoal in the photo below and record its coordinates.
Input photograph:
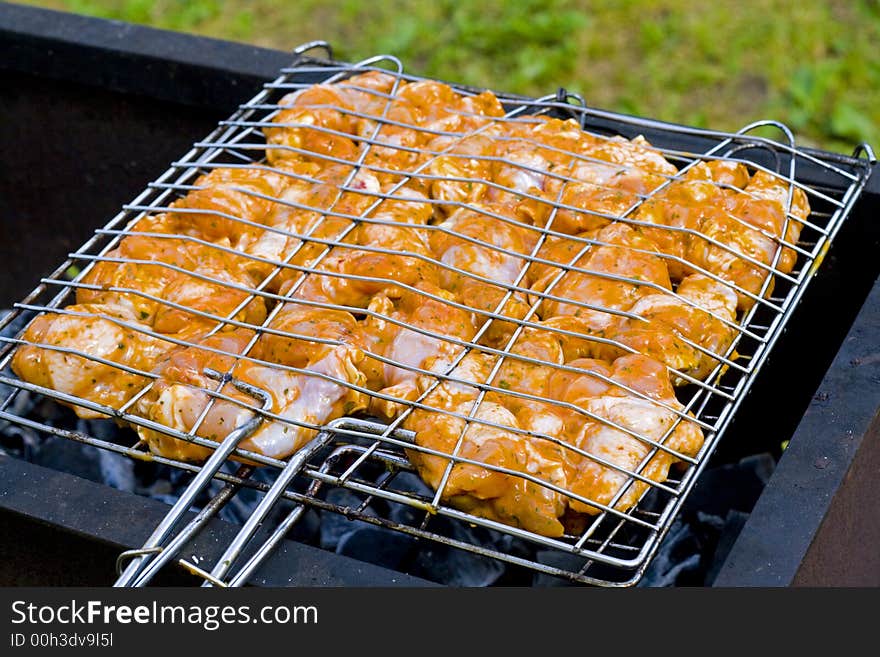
(65, 455)
(10, 331)
(117, 470)
(678, 555)
(307, 529)
(710, 521)
(240, 507)
(16, 325)
(733, 525)
(14, 439)
(102, 429)
(410, 482)
(672, 576)
(159, 488)
(732, 485)
(455, 567)
(380, 546)
(335, 526)
(168, 499)
(18, 441)
(556, 559)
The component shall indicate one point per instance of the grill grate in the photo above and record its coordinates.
(366, 457)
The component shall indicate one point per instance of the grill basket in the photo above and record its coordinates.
(366, 457)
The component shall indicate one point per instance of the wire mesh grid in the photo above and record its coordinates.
(614, 532)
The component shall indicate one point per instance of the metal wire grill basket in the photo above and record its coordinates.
(612, 547)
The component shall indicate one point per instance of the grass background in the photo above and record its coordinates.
(721, 64)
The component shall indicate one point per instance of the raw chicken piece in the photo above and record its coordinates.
(218, 285)
(672, 318)
(404, 258)
(419, 112)
(637, 152)
(645, 417)
(328, 215)
(325, 390)
(332, 109)
(605, 177)
(460, 175)
(366, 93)
(223, 201)
(540, 417)
(617, 257)
(179, 396)
(496, 495)
(496, 261)
(439, 108)
(740, 224)
(96, 336)
(328, 109)
(408, 348)
(524, 167)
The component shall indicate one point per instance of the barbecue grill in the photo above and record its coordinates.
(366, 458)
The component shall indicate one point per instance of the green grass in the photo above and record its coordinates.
(814, 66)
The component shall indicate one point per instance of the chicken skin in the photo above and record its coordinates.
(508, 498)
(623, 263)
(303, 401)
(601, 179)
(431, 341)
(707, 223)
(225, 203)
(105, 332)
(680, 331)
(622, 451)
(496, 258)
(192, 275)
(180, 395)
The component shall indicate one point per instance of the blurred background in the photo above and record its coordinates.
(721, 64)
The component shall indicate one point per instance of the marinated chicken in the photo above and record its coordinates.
(310, 383)
(616, 271)
(483, 261)
(173, 284)
(629, 433)
(99, 353)
(520, 293)
(687, 331)
(419, 332)
(461, 427)
(719, 221)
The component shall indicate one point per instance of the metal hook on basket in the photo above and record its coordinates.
(303, 48)
(864, 148)
(777, 158)
(131, 554)
(134, 573)
(792, 160)
(762, 143)
(540, 105)
(564, 97)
